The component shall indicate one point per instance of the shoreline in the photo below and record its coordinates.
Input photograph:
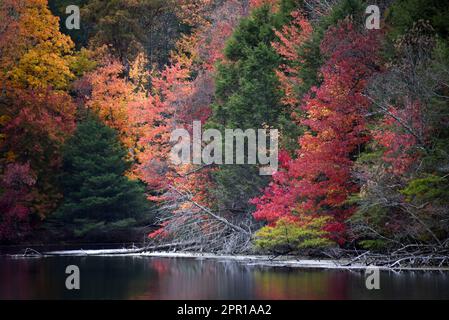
(250, 260)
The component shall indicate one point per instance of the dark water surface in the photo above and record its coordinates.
(181, 278)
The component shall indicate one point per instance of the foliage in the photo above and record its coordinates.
(95, 188)
(16, 182)
(429, 188)
(404, 13)
(36, 112)
(247, 96)
(318, 181)
(362, 115)
(149, 26)
(309, 51)
(111, 98)
(402, 173)
(287, 235)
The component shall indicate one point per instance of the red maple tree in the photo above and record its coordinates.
(318, 181)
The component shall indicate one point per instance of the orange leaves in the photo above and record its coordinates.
(259, 3)
(177, 99)
(34, 68)
(154, 120)
(110, 98)
(291, 38)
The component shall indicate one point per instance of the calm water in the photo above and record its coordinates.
(166, 278)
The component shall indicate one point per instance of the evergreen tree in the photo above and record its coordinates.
(97, 194)
(248, 97)
(247, 93)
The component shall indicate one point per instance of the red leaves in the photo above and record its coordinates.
(15, 200)
(36, 115)
(318, 181)
(401, 145)
(259, 3)
(290, 40)
(159, 233)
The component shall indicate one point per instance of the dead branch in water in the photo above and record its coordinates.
(408, 256)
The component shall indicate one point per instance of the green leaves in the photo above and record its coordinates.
(287, 235)
(428, 188)
(247, 94)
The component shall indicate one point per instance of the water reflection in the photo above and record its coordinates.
(162, 278)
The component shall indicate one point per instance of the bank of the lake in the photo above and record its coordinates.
(257, 260)
(170, 276)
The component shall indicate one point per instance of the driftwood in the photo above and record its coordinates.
(209, 212)
(134, 250)
(185, 220)
(29, 252)
(408, 256)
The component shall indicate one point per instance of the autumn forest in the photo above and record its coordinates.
(358, 91)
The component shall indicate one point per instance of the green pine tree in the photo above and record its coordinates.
(97, 194)
(247, 93)
(248, 97)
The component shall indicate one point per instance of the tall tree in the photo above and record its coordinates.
(247, 97)
(36, 113)
(318, 182)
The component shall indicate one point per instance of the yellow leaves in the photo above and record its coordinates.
(138, 74)
(10, 156)
(295, 235)
(318, 112)
(192, 12)
(38, 25)
(309, 143)
(40, 69)
(4, 119)
(39, 56)
(186, 52)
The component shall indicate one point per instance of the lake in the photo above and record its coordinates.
(127, 277)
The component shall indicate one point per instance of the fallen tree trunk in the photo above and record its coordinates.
(164, 246)
(405, 257)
